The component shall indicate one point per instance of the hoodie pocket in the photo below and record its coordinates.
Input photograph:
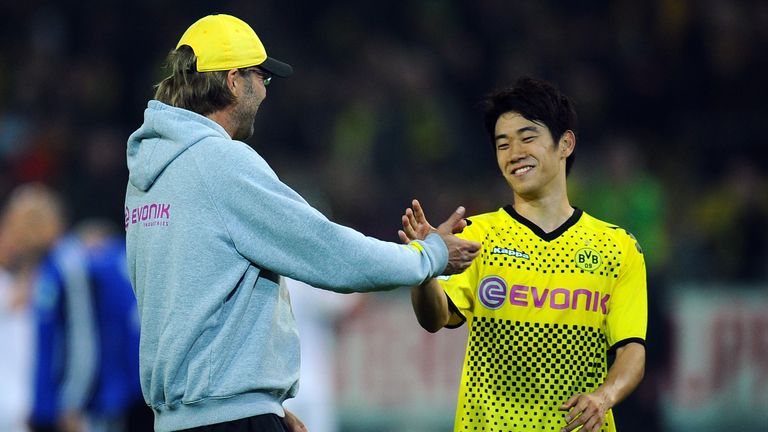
(198, 379)
(232, 329)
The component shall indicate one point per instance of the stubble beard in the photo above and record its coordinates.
(245, 113)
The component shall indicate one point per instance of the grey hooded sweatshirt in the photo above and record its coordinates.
(210, 229)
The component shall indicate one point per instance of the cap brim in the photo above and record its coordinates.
(278, 68)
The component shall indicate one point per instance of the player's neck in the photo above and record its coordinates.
(548, 212)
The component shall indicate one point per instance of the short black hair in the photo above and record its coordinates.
(537, 101)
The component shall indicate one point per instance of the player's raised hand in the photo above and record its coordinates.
(460, 252)
(416, 226)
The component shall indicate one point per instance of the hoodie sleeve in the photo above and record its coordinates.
(276, 229)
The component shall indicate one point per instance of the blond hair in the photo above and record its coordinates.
(201, 92)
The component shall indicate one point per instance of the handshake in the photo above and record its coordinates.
(461, 252)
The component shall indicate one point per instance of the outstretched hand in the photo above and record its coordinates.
(416, 226)
(460, 252)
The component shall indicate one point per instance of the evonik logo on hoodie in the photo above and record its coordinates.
(149, 215)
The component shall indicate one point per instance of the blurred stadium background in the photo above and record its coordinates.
(383, 108)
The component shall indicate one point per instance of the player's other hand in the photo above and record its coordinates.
(587, 409)
(460, 252)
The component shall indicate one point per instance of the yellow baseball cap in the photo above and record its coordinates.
(223, 42)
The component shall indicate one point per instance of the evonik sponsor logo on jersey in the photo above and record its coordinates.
(148, 215)
(493, 292)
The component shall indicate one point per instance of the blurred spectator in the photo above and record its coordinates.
(16, 333)
(27, 228)
(65, 326)
(86, 373)
(116, 403)
(16, 362)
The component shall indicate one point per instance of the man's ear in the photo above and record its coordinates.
(567, 143)
(232, 80)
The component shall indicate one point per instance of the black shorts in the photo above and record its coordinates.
(259, 423)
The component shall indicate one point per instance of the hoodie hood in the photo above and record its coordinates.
(166, 133)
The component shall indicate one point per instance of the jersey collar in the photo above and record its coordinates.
(546, 236)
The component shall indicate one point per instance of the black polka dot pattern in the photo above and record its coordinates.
(550, 257)
(518, 373)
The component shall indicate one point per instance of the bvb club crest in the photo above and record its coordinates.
(588, 259)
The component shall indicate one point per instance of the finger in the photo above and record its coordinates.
(577, 414)
(420, 216)
(408, 229)
(459, 227)
(571, 426)
(472, 255)
(412, 219)
(572, 414)
(569, 403)
(403, 237)
(574, 423)
(466, 265)
(448, 225)
(473, 247)
(593, 424)
(469, 255)
(576, 411)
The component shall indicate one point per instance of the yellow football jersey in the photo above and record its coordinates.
(543, 311)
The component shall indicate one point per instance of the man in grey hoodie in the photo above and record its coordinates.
(210, 229)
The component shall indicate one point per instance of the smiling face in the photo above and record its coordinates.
(531, 162)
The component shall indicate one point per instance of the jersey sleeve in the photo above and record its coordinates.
(627, 318)
(460, 288)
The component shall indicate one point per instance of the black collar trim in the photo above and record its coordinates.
(546, 236)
